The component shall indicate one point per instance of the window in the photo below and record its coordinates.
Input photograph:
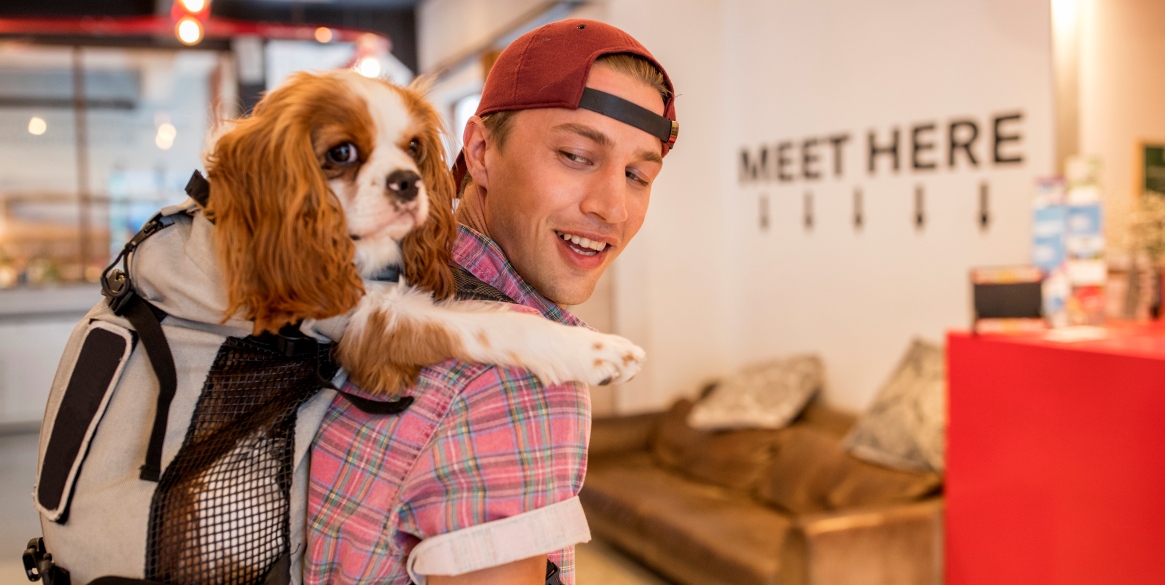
(96, 141)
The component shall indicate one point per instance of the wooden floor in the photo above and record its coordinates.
(598, 563)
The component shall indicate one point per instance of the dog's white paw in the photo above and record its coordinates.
(613, 359)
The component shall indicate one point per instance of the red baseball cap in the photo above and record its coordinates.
(548, 68)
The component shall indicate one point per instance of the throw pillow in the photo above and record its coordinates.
(767, 395)
(733, 459)
(905, 428)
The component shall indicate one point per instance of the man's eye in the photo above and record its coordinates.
(415, 149)
(636, 177)
(574, 158)
(343, 154)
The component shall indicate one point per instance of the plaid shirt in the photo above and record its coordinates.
(480, 443)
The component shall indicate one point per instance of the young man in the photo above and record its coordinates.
(477, 481)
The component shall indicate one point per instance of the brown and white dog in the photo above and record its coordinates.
(336, 177)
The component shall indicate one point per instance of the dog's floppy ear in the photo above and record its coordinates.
(427, 250)
(280, 233)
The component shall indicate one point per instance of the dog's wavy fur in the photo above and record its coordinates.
(279, 231)
(427, 249)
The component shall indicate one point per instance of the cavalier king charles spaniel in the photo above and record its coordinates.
(336, 178)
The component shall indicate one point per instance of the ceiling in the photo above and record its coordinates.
(394, 19)
(115, 8)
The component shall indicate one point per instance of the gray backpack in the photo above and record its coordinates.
(174, 443)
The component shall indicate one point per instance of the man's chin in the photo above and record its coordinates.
(569, 291)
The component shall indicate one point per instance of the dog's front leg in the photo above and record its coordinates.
(551, 351)
(395, 331)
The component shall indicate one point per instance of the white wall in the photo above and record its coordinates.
(805, 69)
(1122, 95)
(672, 285)
(446, 28)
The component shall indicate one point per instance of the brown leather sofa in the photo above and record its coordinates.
(753, 507)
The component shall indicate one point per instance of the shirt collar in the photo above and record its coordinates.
(482, 257)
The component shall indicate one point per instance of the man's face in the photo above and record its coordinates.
(570, 189)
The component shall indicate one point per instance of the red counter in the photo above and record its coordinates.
(1056, 460)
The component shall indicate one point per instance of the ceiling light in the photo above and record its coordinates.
(37, 126)
(166, 134)
(368, 67)
(189, 30)
(194, 5)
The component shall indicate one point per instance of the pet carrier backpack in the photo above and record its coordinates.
(173, 448)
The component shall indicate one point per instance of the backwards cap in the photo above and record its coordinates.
(548, 68)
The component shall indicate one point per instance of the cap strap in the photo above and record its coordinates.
(629, 113)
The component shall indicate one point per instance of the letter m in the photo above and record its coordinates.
(754, 168)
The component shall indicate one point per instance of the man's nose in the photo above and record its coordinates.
(404, 185)
(608, 199)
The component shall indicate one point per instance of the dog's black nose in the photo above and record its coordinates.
(404, 185)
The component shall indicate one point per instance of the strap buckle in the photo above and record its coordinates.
(115, 282)
(38, 564)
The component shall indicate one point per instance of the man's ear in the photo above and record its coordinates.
(475, 139)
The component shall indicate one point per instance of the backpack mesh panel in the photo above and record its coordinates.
(220, 511)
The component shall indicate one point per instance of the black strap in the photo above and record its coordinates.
(122, 581)
(198, 188)
(370, 406)
(471, 288)
(388, 274)
(630, 113)
(552, 574)
(146, 321)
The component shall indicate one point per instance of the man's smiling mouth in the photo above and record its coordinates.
(582, 245)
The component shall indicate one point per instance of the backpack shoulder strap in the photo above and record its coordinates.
(146, 319)
(471, 288)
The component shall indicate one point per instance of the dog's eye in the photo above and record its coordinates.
(415, 149)
(343, 154)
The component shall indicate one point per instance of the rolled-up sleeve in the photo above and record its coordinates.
(500, 480)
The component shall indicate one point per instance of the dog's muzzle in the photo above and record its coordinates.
(404, 185)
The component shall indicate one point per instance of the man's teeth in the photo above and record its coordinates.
(583, 242)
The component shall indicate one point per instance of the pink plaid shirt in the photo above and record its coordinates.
(479, 444)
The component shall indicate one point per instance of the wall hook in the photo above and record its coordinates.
(919, 207)
(859, 212)
(984, 206)
(808, 210)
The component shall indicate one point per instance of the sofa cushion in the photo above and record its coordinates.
(819, 415)
(905, 427)
(617, 491)
(702, 541)
(731, 459)
(621, 435)
(767, 395)
(811, 473)
(866, 484)
(691, 531)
